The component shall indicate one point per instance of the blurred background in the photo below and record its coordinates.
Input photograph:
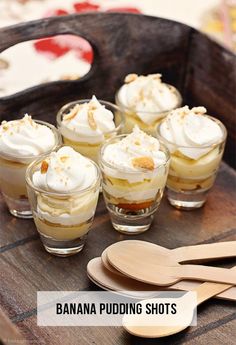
(70, 57)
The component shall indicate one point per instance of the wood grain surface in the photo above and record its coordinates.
(204, 73)
(27, 268)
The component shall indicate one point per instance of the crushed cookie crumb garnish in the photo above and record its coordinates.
(72, 113)
(91, 120)
(5, 127)
(143, 162)
(44, 167)
(130, 77)
(63, 159)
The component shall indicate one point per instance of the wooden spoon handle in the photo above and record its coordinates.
(208, 290)
(206, 251)
(213, 274)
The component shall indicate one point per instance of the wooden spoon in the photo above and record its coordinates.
(204, 292)
(196, 253)
(138, 262)
(108, 280)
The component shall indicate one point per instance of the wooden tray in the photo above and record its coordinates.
(204, 72)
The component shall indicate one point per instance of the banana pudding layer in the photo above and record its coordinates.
(134, 169)
(196, 143)
(21, 141)
(67, 194)
(146, 100)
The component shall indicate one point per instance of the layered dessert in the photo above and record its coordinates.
(145, 100)
(86, 124)
(196, 142)
(135, 169)
(22, 141)
(63, 190)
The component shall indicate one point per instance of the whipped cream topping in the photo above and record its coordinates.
(25, 138)
(148, 96)
(191, 130)
(137, 152)
(88, 122)
(65, 171)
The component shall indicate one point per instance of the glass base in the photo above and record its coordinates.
(18, 207)
(188, 200)
(63, 248)
(130, 224)
(21, 214)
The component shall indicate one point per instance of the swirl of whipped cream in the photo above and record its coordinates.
(25, 137)
(65, 171)
(135, 157)
(191, 130)
(88, 122)
(148, 96)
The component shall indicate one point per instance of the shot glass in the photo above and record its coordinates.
(132, 198)
(63, 220)
(12, 177)
(132, 118)
(189, 180)
(87, 147)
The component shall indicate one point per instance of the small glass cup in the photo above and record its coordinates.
(190, 180)
(132, 198)
(132, 119)
(86, 148)
(12, 177)
(63, 220)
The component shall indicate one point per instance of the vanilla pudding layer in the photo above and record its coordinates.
(12, 178)
(65, 218)
(85, 148)
(60, 232)
(131, 120)
(67, 211)
(124, 191)
(190, 174)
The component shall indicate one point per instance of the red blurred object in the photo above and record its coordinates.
(85, 6)
(56, 12)
(124, 9)
(57, 46)
(49, 47)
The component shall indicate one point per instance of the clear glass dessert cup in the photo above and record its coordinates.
(132, 198)
(132, 119)
(86, 147)
(189, 180)
(63, 220)
(12, 177)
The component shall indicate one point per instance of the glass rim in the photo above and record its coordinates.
(87, 100)
(36, 162)
(178, 103)
(120, 137)
(222, 126)
(58, 143)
